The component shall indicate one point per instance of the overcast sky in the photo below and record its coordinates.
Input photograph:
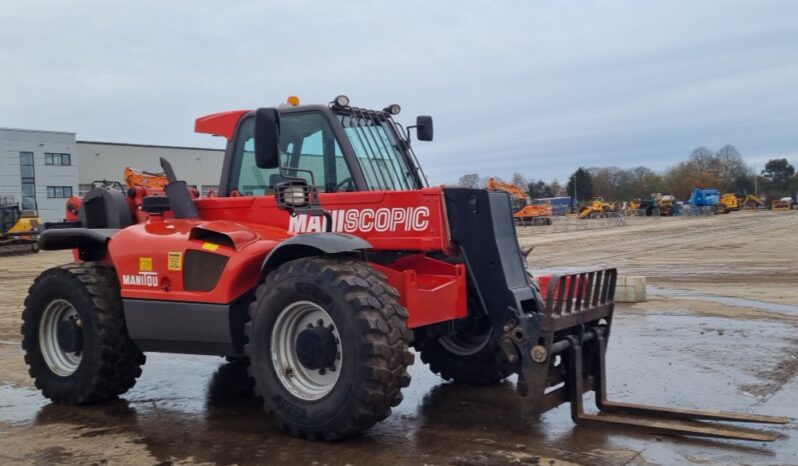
(534, 87)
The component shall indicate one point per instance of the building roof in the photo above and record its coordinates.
(156, 146)
(36, 130)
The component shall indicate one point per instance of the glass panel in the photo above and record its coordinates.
(307, 142)
(26, 158)
(26, 171)
(66, 159)
(50, 191)
(48, 159)
(67, 191)
(377, 148)
(28, 189)
(28, 203)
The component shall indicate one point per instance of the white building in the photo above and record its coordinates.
(39, 170)
(200, 167)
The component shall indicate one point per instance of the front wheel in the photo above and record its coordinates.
(469, 356)
(74, 336)
(328, 347)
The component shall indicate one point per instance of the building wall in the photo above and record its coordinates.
(13, 142)
(201, 168)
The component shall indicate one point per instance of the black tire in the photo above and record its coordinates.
(373, 344)
(485, 365)
(468, 353)
(109, 361)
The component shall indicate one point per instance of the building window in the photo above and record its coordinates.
(57, 159)
(59, 192)
(28, 179)
(83, 189)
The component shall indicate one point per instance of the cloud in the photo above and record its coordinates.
(539, 88)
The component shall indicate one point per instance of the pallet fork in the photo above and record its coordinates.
(564, 350)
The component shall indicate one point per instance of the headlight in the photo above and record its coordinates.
(293, 195)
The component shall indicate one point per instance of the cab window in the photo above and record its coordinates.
(307, 145)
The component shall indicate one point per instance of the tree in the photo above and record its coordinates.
(743, 184)
(556, 188)
(731, 167)
(583, 182)
(703, 160)
(681, 179)
(779, 174)
(519, 180)
(539, 189)
(471, 180)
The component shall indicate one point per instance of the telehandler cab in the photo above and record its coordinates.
(321, 261)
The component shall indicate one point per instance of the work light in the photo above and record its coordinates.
(341, 101)
(393, 109)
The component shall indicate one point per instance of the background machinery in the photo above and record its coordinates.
(728, 202)
(751, 202)
(597, 208)
(19, 231)
(323, 258)
(705, 199)
(524, 211)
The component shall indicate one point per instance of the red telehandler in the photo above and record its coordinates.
(321, 261)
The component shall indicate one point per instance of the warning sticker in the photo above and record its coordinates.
(175, 261)
(145, 264)
(210, 246)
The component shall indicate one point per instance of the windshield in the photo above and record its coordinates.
(378, 150)
(307, 143)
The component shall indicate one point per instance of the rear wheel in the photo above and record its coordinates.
(328, 347)
(74, 336)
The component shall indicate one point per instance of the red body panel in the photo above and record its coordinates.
(432, 290)
(219, 124)
(141, 255)
(149, 256)
(389, 220)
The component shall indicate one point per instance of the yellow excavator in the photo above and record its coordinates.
(597, 207)
(19, 231)
(728, 202)
(751, 202)
(523, 211)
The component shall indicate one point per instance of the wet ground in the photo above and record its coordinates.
(698, 343)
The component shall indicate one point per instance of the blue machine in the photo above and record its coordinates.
(559, 205)
(704, 197)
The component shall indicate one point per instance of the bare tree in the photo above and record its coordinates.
(556, 188)
(520, 180)
(470, 180)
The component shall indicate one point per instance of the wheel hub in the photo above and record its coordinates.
(316, 347)
(69, 336)
(61, 337)
(306, 350)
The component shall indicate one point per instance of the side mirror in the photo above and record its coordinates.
(267, 138)
(424, 128)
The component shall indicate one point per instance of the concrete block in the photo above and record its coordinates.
(630, 289)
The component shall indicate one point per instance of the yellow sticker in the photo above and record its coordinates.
(210, 246)
(145, 264)
(175, 261)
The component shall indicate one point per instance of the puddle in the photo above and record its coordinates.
(198, 407)
(729, 300)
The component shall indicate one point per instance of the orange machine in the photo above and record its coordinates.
(144, 179)
(523, 211)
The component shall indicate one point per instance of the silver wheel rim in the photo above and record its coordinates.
(460, 346)
(60, 362)
(304, 383)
